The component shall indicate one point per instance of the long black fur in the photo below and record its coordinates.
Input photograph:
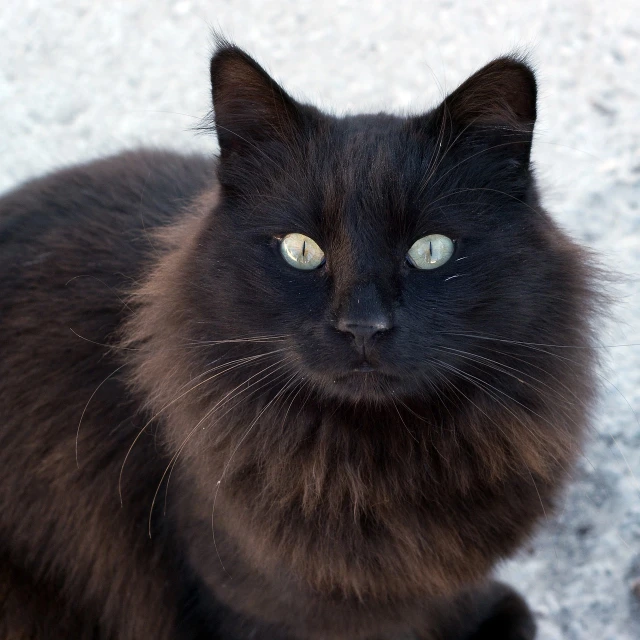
(193, 444)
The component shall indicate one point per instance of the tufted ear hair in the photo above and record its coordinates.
(497, 102)
(250, 108)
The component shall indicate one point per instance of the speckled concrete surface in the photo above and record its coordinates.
(80, 79)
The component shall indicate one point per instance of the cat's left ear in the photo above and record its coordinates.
(497, 103)
(250, 108)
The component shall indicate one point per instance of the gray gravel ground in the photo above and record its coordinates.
(80, 79)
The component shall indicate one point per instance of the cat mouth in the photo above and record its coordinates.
(364, 367)
(365, 382)
(364, 372)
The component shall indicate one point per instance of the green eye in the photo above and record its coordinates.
(301, 251)
(430, 252)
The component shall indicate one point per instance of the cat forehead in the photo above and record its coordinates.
(358, 182)
(367, 142)
(370, 179)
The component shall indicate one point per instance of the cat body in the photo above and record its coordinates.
(201, 441)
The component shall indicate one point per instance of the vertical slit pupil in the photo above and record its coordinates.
(304, 246)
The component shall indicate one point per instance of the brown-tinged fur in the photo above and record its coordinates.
(74, 562)
(268, 491)
(380, 519)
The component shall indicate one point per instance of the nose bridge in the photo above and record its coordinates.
(362, 287)
(361, 301)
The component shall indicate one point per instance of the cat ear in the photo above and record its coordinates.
(249, 106)
(497, 102)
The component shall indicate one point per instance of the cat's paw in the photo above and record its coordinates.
(506, 617)
(491, 611)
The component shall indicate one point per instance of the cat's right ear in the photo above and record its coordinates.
(250, 108)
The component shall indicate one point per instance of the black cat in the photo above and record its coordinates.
(314, 388)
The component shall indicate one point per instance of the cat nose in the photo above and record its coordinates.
(364, 314)
(364, 329)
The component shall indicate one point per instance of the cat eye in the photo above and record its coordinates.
(430, 252)
(301, 251)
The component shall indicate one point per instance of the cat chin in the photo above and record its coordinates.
(362, 386)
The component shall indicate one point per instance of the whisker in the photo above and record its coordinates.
(265, 382)
(102, 282)
(404, 424)
(224, 470)
(166, 406)
(506, 369)
(239, 361)
(87, 405)
(102, 344)
(480, 384)
(579, 400)
(184, 442)
(257, 339)
(539, 344)
(633, 475)
(544, 511)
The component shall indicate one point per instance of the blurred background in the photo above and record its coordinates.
(80, 79)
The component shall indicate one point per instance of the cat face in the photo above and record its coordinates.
(419, 236)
